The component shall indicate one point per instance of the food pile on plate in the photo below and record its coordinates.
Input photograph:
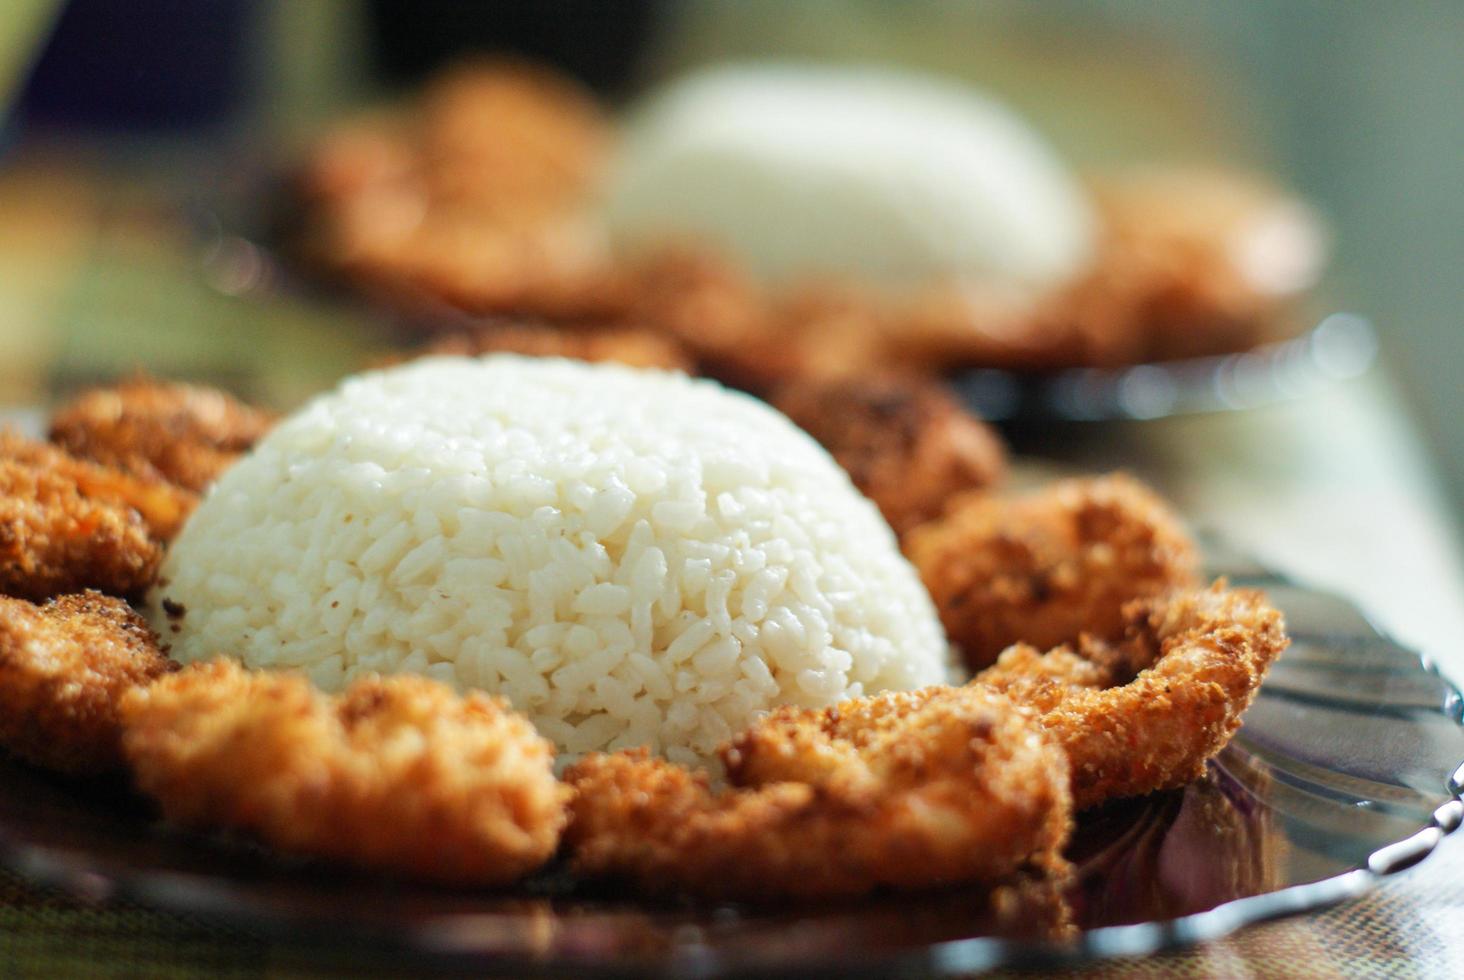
(768, 223)
(471, 614)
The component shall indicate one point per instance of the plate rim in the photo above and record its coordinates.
(1201, 384)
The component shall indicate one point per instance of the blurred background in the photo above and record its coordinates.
(141, 134)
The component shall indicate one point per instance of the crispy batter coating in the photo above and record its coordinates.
(56, 539)
(1194, 263)
(1188, 264)
(1049, 566)
(844, 330)
(64, 666)
(163, 506)
(396, 774)
(904, 790)
(757, 338)
(908, 445)
(1146, 713)
(476, 197)
(504, 134)
(623, 345)
(185, 434)
(714, 309)
(498, 140)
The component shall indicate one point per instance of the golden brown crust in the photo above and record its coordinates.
(1049, 566)
(1194, 263)
(904, 790)
(478, 199)
(64, 667)
(713, 309)
(185, 434)
(623, 345)
(1188, 264)
(908, 445)
(1148, 715)
(55, 539)
(475, 199)
(501, 141)
(396, 774)
(163, 506)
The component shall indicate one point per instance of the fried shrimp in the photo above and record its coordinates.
(715, 310)
(1146, 713)
(477, 196)
(622, 345)
(163, 506)
(908, 445)
(185, 434)
(63, 668)
(1049, 566)
(1179, 272)
(55, 539)
(903, 790)
(396, 774)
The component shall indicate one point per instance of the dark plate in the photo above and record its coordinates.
(1347, 770)
(1339, 348)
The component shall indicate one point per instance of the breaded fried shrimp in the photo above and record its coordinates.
(396, 774)
(908, 445)
(903, 790)
(1049, 566)
(478, 197)
(1148, 712)
(714, 310)
(63, 668)
(163, 506)
(623, 345)
(55, 539)
(185, 434)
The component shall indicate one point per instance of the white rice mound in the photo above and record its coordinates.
(630, 557)
(885, 176)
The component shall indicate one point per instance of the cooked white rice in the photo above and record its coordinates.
(631, 557)
(883, 176)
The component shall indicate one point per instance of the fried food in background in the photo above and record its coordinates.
(64, 666)
(714, 309)
(475, 195)
(396, 774)
(1189, 264)
(163, 506)
(908, 445)
(185, 434)
(1195, 263)
(1147, 712)
(1046, 567)
(623, 345)
(506, 137)
(902, 790)
(55, 539)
